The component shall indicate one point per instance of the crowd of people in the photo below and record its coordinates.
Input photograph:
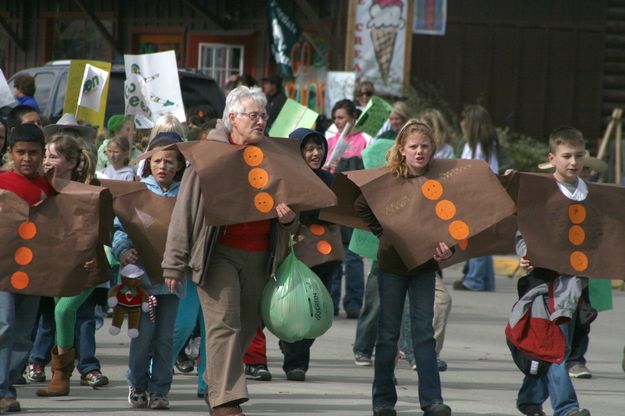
(213, 276)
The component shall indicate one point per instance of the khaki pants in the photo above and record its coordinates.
(230, 299)
(442, 307)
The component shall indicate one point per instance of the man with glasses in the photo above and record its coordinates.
(231, 263)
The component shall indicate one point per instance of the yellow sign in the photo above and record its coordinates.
(74, 84)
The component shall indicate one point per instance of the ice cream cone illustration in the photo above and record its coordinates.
(386, 19)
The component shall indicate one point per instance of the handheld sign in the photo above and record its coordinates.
(292, 116)
(93, 83)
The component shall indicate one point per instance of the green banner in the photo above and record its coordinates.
(373, 116)
(285, 32)
(600, 294)
(292, 116)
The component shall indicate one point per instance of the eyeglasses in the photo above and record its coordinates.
(366, 93)
(255, 116)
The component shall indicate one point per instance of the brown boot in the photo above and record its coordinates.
(62, 368)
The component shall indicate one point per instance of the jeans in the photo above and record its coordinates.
(188, 313)
(155, 340)
(481, 274)
(17, 319)
(354, 282)
(579, 345)
(367, 329)
(556, 384)
(442, 307)
(84, 338)
(393, 289)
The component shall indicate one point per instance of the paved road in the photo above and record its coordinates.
(481, 379)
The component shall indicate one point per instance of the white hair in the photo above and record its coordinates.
(235, 101)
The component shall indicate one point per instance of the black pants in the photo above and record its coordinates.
(297, 354)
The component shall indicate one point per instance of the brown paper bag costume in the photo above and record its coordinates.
(145, 217)
(497, 239)
(245, 183)
(580, 238)
(455, 200)
(318, 243)
(44, 247)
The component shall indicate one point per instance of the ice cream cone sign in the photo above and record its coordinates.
(386, 20)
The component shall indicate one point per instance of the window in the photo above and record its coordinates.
(76, 38)
(44, 82)
(59, 99)
(219, 61)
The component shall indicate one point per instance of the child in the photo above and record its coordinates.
(314, 148)
(18, 312)
(482, 144)
(118, 151)
(344, 112)
(162, 176)
(566, 154)
(72, 162)
(409, 157)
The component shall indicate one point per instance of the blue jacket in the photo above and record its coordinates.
(122, 242)
(26, 100)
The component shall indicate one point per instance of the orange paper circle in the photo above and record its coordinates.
(445, 210)
(258, 178)
(432, 189)
(317, 229)
(253, 156)
(576, 235)
(23, 256)
(19, 280)
(464, 244)
(459, 230)
(577, 213)
(27, 230)
(324, 247)
(263, 202)
(579, 261)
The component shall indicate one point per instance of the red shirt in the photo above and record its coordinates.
(30, 190)
(248, 236)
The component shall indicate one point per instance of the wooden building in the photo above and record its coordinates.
(534, 64)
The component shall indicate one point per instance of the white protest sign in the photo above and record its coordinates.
(6, 95)
(152, 88)
(340, 85)
(92, 86)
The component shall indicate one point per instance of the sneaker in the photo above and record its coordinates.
(533, 411)
(385, 412)
(184, 364)
(362, 360)
(257, 372)
(137, 398)
(9, 404)
(437, 409)
(352, 313)
(578, 412)
(158, 401)
(296, 374)
(459, 285)
(193, 348)
(35, 373)
(94, 378)
(441, 365)
(579, 371)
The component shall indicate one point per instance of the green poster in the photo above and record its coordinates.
(293, 115)
(285, 32)
(74, 85)
(373, 116)
(600, 294)
(364, 243)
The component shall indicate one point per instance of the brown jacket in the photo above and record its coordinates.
(190, 241)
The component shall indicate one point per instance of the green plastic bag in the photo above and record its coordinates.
(295, 304)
